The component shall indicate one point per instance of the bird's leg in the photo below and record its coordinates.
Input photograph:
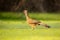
(43, 24)
(33, 26)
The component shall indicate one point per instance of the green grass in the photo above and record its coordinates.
(14, 27)
(21, 16)
(4, 24)
(20, 30)
(28, 34)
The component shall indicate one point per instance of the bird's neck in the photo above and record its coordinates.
(27, 16)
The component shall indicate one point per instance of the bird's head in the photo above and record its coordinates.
(25, 11)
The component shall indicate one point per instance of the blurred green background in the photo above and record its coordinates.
(21, 16)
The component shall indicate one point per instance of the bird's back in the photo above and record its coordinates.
(32, 21)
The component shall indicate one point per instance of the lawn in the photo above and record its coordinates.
(21, 16)
(13, 26)
(20, 30)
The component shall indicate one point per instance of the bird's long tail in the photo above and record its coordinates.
(43, 24)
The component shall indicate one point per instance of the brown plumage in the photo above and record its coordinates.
(33, 22)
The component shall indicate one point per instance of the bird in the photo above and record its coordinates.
(32, 22)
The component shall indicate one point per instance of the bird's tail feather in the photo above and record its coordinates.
(43, 24)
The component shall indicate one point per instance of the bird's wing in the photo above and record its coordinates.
(35, 21)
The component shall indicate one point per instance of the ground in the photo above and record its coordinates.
(20, 30)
